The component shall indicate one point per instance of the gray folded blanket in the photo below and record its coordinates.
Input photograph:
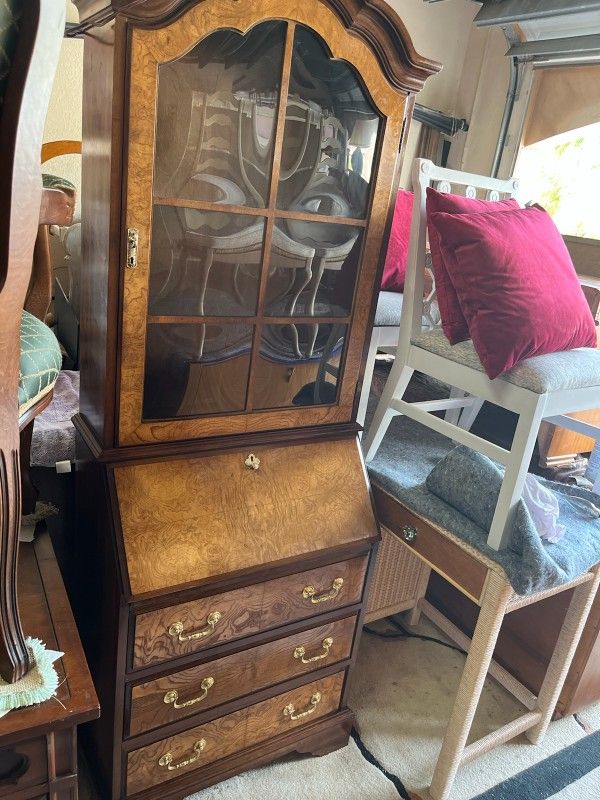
(471, 482)
(410, 452)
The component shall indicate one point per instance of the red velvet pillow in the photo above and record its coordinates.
(516, 285)
(394, 269)
(454, 323)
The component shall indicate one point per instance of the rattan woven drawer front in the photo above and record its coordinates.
(198, 688)
(189, 627)
(201, 745)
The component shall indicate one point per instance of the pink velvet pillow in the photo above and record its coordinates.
(516, 285)
(454, 323)
(394, 269)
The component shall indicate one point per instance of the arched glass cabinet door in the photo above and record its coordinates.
(259, 177)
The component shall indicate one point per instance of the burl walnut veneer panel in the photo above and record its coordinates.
(190, 519)
(227, 735)
(245, 611)
(207, 685)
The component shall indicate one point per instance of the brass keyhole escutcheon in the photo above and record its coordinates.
(252, 462)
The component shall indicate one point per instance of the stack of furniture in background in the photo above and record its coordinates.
(469, 563)
(231, 240)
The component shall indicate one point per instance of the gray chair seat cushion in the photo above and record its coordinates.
(570, 369)
(389, 311)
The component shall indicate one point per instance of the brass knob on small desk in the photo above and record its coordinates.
(409, 533)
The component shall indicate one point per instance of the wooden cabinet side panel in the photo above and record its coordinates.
(100, 211)
(101, 618)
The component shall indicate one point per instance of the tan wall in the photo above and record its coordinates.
(64, 113)
(473, 81)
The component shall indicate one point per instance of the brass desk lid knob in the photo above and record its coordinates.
(409, 533)
(252, 462)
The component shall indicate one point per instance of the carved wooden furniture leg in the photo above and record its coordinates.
(14, 657)
(493, 607)
(29, 494)
(32, 59)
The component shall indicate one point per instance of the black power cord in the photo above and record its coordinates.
(405, 634)
(364, 750)
(368, 756)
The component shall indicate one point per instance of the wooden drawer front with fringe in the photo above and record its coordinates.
(170, 758)
(186, 628)
(172, 697)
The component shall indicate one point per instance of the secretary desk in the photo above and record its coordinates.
(239, 167)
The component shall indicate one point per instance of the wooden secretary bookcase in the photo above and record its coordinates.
(239, 165)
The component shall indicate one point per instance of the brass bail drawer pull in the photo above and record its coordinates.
(176, 629)
(290, 710)
(311, 592)
(167, 759)
(173, 696)
(300, 652)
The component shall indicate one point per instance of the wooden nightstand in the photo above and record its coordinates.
(38, 745)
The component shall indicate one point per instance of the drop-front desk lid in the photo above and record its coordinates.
(191, 519)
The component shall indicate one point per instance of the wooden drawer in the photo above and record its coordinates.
(184, 693)
(23, 765)
(189, 627)
(203, 744)
(432, 546)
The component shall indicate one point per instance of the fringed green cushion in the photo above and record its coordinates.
(56, 182)
(40, 362)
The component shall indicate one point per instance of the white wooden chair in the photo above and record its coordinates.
(544, 387)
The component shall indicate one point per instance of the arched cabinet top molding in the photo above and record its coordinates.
(372, 21)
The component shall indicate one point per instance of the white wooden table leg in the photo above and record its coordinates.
(568, 639)
(469, 415)
(394, 388)
(493, 607)
(368, 378)
(452, 415)
(514, 477)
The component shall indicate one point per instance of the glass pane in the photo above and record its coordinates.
(204, 263)
(330, 135)
(194, 369)
(299, 365)
(312, 269)
(216, 113)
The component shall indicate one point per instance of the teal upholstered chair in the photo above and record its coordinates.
(30, 37)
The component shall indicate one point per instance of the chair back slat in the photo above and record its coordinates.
(425, 173)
